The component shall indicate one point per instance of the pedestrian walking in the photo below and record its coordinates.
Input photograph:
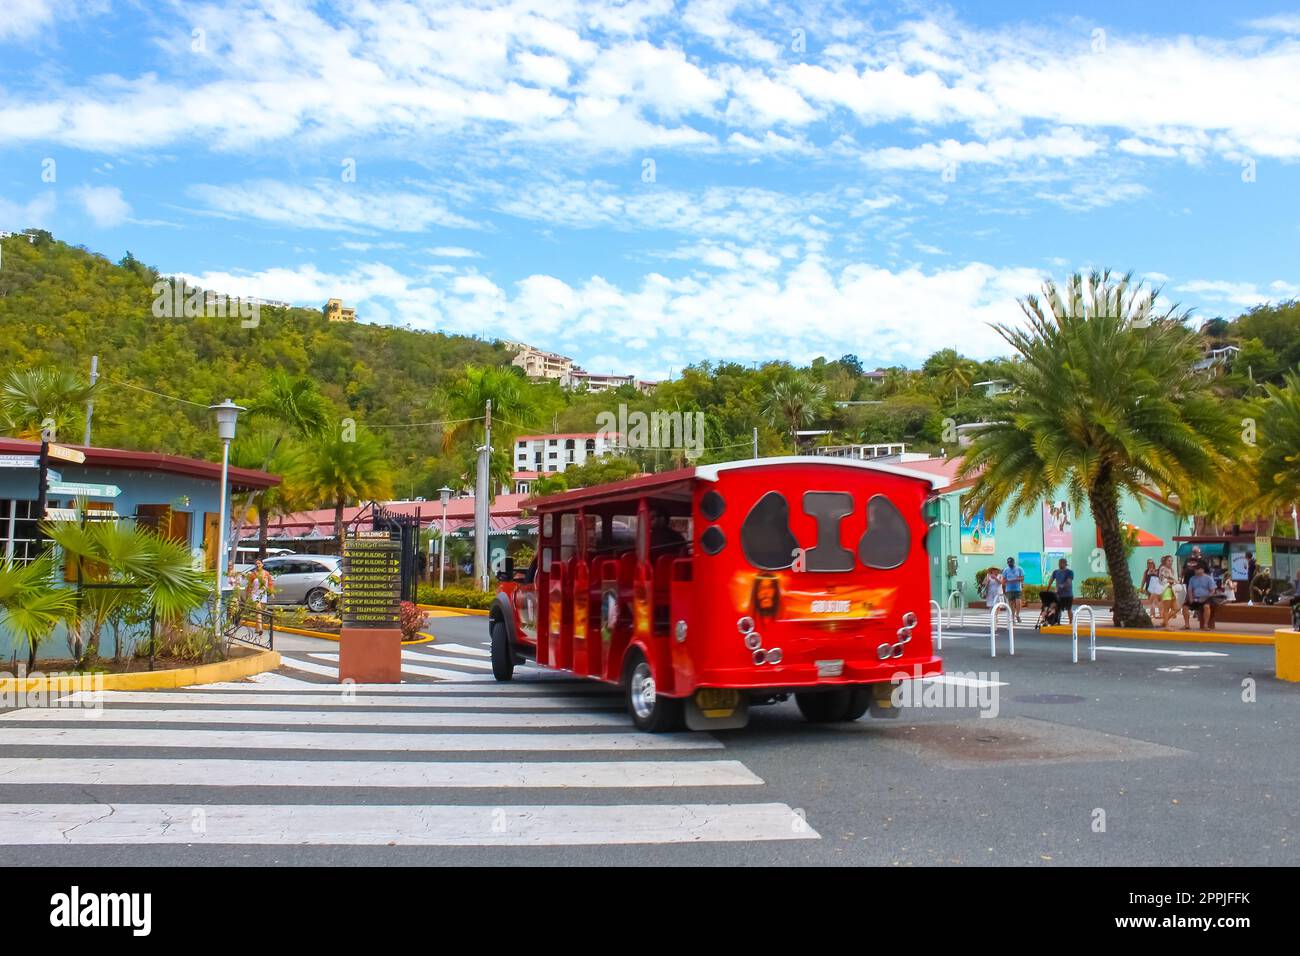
(1152, 587)
(1013, 578)
(259, 590)
(1194, 560)
(1169, 589)
(1062, 580)
(1200, 588)
(992, 588)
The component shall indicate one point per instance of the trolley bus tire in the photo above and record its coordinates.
(859, 703)
(503, 658)
(825, 707)
(650, 711)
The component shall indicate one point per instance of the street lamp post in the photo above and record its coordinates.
(227, 413)
(444, 494)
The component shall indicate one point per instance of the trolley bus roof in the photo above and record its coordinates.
(677, 483)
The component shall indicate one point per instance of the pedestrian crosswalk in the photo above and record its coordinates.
(290, 760)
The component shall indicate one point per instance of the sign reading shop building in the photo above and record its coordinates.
(372, 580)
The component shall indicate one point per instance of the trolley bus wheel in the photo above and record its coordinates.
(825, 707)
(859, 703)
(503, 659)
(650, 711)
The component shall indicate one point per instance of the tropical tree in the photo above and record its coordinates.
(465, 401)
(32, 399)
(1278, 441)
(794, 403)
(140, 561)
(950, 371)
(1103, 401)
(288, 407)
(342, 465)
(31, 603)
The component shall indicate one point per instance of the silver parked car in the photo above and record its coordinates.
(304, 579)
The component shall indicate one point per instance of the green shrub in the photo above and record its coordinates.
(1096, 588)
(455, 597)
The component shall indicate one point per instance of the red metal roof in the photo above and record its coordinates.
(241, 479)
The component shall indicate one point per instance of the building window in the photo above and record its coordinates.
(18, 530)
(553, 442)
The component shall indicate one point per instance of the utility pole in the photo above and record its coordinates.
(755, 441)
(482, 498)
(90, 402)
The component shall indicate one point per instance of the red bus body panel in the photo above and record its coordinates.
(697, 614)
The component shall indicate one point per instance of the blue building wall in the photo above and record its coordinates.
(1024, 537)
(186, 495)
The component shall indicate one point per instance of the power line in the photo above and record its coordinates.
(450, 421)
(171, 398)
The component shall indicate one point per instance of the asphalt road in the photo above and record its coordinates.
(1158, 753)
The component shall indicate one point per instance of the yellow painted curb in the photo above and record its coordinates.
(230, 670)
(1286, 654)
(327, 636)
(455, 610)
(1187, 637)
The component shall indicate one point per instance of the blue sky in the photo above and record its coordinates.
(643, 185)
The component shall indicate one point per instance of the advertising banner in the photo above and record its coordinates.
(1058, 526)
(977, 535)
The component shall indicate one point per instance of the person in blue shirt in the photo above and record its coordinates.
(1013, 579)
(1062, 580)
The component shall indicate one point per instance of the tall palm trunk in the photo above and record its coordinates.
(1127, 610)
(338, 523)
(263, 529)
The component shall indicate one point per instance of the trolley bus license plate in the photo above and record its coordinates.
(830, 668)
(716, 701)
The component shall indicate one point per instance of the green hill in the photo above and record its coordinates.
(61, 304)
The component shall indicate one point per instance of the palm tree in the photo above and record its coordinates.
(287, 407)
(340, 466)
(1278, 464)
(513, 404)
(31, 603)
(31, 399)
(137, 558)
(952, 372)
(795, 402)
(1103, 400)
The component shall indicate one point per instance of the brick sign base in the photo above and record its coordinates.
(370, 655)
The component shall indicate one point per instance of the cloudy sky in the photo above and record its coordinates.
(646, 184)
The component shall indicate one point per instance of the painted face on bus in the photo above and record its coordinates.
(766, 595)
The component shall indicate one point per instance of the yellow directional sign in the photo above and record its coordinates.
(63, 453)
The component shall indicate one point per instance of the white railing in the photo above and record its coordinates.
(938, 616)
(1092, 632)
(958, 595)
(1011, 629)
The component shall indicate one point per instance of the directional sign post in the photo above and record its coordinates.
(82, 489)
(64, 453)
(20, 461)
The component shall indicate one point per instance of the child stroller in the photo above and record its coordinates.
(1051, 612)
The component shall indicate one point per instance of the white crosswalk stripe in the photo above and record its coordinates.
(290, 742)
(307, 825)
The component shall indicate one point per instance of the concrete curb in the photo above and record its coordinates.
(233, 669)
(455, 610)
(1187, 637)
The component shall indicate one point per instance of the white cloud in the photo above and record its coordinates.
(104, 205)
(323, 204)
(1241, 294)
(33, 214)
(453, 252)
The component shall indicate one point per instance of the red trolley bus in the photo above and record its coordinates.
(707, 590)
